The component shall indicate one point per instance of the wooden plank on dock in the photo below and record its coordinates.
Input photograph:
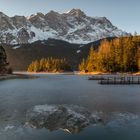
(120, 81)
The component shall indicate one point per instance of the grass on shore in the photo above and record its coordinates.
(106, 73)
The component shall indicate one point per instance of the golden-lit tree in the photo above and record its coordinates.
(49, 65)
(118, 55)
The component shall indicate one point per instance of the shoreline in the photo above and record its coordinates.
(15, 76)
(107, 73)
(7, 76)
(40, 73)
(30, 75)
(74, 73)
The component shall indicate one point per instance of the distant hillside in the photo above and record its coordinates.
(21, 57)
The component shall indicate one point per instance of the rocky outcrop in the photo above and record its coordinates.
(5, 23)
(74, 26)
(23, 36)
(70, 118)
(20, 22)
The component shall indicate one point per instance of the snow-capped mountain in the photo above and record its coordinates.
(74, 26)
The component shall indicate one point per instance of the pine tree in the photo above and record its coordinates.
(3, 60)
(90, 61)
(82, 65)
(49, 65)
(118, 55)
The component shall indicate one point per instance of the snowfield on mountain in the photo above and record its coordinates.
(74, 27)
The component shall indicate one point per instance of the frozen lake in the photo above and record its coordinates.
(119, 104)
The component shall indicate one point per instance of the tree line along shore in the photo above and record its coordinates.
(117, 55)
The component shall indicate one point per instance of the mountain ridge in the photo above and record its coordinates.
(20, 56)
(74, 27)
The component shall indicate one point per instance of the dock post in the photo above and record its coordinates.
(138, 82)
(101, 82)
(108, 80)
(114, 80)
(128, 80)
(132, 80)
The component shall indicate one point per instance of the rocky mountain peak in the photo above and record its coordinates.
(37, 15)
(73, 26)
(77, 13)
(5, 22)
(52, 13)
(40, 14)
(19, 21)
(2, 15)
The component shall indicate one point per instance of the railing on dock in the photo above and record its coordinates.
(120, 80)
(96, 78)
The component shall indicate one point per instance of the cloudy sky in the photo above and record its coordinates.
(122, 13)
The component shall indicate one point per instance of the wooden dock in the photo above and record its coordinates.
(96, 78)
(127, 80)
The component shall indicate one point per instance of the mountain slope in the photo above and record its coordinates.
(20, 56)
(74, 27)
